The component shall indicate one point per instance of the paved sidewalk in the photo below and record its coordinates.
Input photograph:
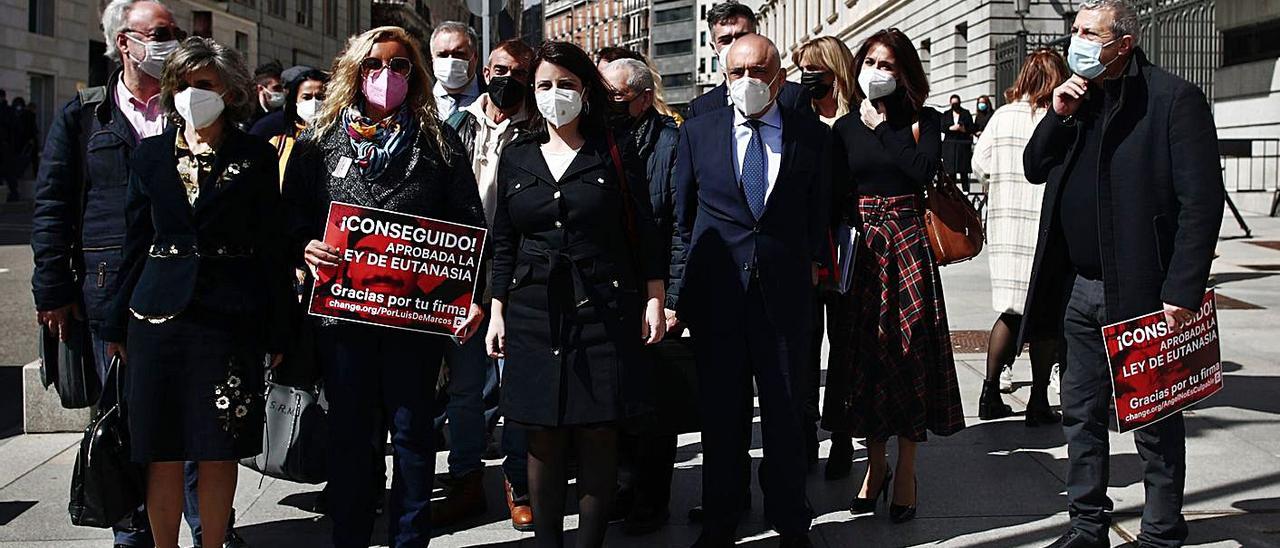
(993, 484)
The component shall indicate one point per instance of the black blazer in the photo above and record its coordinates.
(225, 254)
(588, 202)
(727, 247)
(966, 122)
(793, 96)
(1160, 199)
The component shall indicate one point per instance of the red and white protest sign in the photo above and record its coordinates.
(398, 270)
(1156, 371)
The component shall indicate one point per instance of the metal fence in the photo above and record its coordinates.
(1010, 54)
(1251, 165)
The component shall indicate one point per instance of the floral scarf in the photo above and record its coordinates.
(376, 143)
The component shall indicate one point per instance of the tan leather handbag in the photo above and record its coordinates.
(951, 222)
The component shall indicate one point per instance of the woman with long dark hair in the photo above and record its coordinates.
(897, 377)
(379, 143)
(1013, 220)
(579, 268)
(303, 100)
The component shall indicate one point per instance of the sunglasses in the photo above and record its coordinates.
(398, 65)
(161, 34)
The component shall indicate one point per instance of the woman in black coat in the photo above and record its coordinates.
(578, 284)
(957, 141)
(378, 143)
(206, 290)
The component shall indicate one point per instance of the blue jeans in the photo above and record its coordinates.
(367, 368)
(135, 529)
(473, 382)
(515, 444)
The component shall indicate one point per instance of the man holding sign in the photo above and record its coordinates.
(1132, 212)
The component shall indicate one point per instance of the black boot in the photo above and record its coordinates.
(990, 405)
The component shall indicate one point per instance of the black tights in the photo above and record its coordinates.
(597, 457)
(1002, 348)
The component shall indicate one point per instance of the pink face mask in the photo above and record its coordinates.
(385, 89)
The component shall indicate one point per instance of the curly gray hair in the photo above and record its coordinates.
(196, 53)
(1124, 18)
(115, 18)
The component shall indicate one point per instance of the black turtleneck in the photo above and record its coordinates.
(888, 161)
(1078, 204)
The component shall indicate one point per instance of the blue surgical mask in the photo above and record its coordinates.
(1084, 57)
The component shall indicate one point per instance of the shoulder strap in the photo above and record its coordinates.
(629, 208)
(90, 99)
(455, 120)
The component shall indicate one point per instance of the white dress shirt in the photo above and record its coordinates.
(770, 135)
(448, 104)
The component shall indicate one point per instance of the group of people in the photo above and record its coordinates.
(180, 209)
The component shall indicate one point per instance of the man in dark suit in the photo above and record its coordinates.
(1131, 216)
(728, 21)
(753, 235)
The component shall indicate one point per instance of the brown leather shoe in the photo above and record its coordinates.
(464, 500)
(521, 512)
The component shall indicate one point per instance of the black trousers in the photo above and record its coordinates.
(1086, 412)
(727, 364)
(367, 369)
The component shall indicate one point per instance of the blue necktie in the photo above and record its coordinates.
(754, 177)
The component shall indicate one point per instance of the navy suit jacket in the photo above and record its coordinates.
(727, 247)
(793, 96)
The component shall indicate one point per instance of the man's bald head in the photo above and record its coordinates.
(754, 56)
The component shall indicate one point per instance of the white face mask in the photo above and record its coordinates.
(558, 106)
(154, 54)
(199, 107)
(275, 99)
(876, 83)
(452, 73)
(308, 109)
(750, 95)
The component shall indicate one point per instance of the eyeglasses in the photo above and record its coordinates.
(398, 65)
(161, 34)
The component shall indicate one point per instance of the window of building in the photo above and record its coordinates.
(702, 38)
(961, 51)
(677, 80)
(702, 65)
(242, 43)
(353, 16)
(40, 17)
(250, 3)
(703, 14)
(329, 15)
(673, 48)
(202, 23)
(303, 17)
(42, 95)
(715, 63)
(276, 8)
(1251, 43)
(668, 16)
(926, 51)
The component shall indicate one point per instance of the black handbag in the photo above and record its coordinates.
(105, 485)
(69, 365)
(295, 436)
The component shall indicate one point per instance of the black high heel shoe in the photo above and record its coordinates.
(903, 514)
(840, 459)
(860, 505)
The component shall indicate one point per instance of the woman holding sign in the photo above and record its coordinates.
(377, 144)
(578, 283)
(205, 293)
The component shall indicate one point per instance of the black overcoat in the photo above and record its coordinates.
(1160, 199)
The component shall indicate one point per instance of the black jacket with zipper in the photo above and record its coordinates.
(1160, 199)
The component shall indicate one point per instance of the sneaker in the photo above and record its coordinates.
(1006, 379)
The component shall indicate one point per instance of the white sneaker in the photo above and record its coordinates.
(1055, 380)
(1006, 379)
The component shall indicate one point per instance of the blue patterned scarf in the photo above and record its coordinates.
(376, 143)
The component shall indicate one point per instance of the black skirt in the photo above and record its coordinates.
(195, 387)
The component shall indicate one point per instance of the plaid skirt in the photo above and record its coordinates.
(892, 372)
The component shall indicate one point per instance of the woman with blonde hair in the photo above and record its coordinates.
(826, 69)
(1013, 220)
(378, 143)
(205, 290)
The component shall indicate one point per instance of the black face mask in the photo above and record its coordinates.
(955, 107)
(813, 81)
(619, 114)
(506, 92)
